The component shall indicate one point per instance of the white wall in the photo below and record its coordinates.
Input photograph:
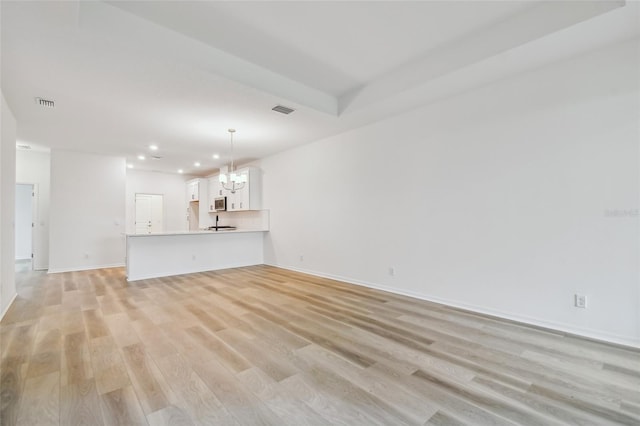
(172, 187)
(7, 206)
(24, 220)
(87, 212)
(502, 200)
(35, 167)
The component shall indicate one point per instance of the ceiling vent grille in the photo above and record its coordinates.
(23, 146)
(46, 103)
(156, 157)
(282, 109)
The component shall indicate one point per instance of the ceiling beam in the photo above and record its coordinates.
(536, 22)
(153, 40)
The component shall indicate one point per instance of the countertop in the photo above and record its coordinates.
(203, 232)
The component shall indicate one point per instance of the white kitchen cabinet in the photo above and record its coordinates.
(193, 190)
(197, 193)
(215, 191)
(250, 196)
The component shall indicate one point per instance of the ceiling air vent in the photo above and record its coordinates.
(282, 109)
(23, 146)
(45, 103)
(156, 157)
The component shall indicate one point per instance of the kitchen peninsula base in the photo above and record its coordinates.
(162, 255)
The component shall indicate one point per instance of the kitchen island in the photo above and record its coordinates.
(175, 253)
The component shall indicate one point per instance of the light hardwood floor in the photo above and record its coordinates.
(262, 345)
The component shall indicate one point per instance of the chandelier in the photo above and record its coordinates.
(231, 181)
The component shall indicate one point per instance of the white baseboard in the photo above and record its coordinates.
(13, 299)
(555, 326)
(85, 268)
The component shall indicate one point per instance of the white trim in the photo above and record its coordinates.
(85, 268)
(565, 328)
(13, 299)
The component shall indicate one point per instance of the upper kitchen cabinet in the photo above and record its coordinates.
(193, 190)
(215, 191)
(197, 194)
(197, 190)
(250, 196)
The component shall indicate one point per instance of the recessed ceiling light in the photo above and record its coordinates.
(197, 164)
(141, 157)
(153, 147)
(180, 171)
(216, 156)
(130, 166)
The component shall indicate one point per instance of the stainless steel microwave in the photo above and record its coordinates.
(220, 204)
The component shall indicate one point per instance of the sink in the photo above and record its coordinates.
(221, 228)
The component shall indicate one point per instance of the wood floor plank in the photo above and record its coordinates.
(549, 407)
(72, 321)
(522, 373)
(276, 395)
(49, 340)
(71, 300)
(76, 360)
(335, 411)
(377, 385)
(169, 416)
(379, 410)
(120, 407)
(146, 378)
(41, 402)
(11, 388)
(262, 345)
(267, 362)
(194, 396)
(118, 326)
(242, 404)
(465, 410)
(80, 404)
(155, 341)
(441, 418)
(184, 343)
(109, 369)
(311, 333)
(218, 349)
(17, 343)
(518, 413)
(94, 321)
(43, 363)
(208, 321)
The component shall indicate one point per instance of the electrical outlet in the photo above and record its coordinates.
(193, 257)
(580, 300)
(392, 271)
(301, 258)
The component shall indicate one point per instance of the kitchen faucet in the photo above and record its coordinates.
(219, 227)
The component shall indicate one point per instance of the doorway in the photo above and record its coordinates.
(24, 220)
(149, 213)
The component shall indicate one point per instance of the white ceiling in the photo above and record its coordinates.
(179, 74)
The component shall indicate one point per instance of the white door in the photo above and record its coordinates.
(149, 213)
(24, 221)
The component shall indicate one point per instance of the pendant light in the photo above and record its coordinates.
(231, 181)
